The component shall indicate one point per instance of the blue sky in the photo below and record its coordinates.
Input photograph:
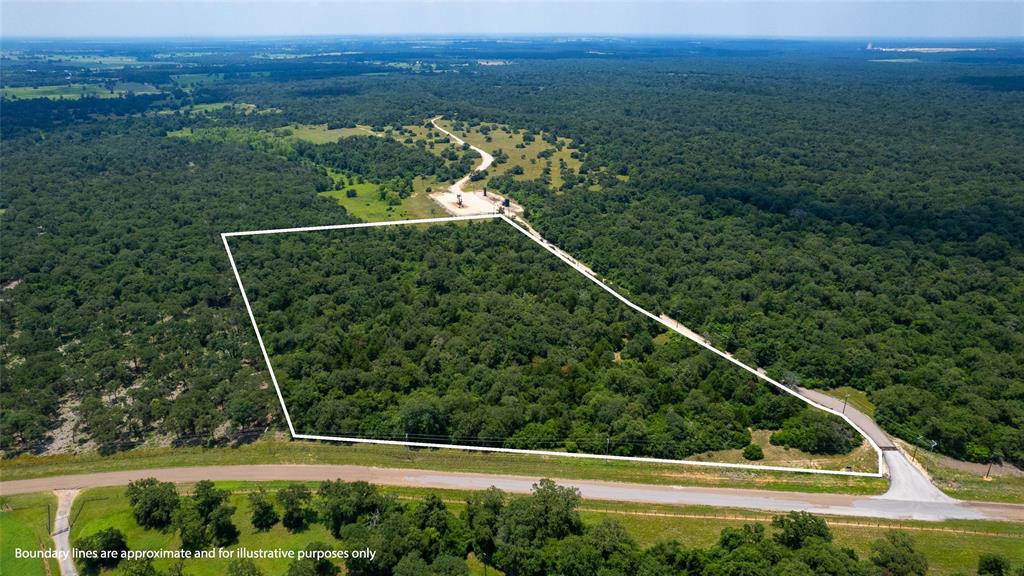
(759, 18)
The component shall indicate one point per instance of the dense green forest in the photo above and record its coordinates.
(122, 300)
(541, 534)
(473, 334)
(837, 220)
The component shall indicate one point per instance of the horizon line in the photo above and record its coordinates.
(515, 35)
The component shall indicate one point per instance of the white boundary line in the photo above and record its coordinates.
(582, 270)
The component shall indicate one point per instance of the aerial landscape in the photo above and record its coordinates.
(360, 291)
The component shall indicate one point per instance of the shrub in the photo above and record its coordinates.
(753, 452)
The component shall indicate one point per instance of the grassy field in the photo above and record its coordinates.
(499, 137)
(368, 206)
(320, 134)
(24, 524)
(75, 91)
(952, 546)
(862, 459)
(529, 158)
(278, 450)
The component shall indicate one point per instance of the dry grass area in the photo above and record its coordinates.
(861, 459)
(533, 157)
(320, 134)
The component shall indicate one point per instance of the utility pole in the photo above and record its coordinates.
(921, 440)
(846, 398)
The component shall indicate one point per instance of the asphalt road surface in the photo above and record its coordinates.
(890, 506)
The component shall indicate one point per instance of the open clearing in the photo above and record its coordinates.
(24, 524)
(536, 156)
(861, 458)
(321, 134)
(76, 91)
(368, 206)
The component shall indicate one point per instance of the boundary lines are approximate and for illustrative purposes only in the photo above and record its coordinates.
(586, 273)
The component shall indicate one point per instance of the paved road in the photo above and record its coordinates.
(861, 419)
(834, 504)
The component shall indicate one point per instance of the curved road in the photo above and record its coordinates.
(472, 202)
(833, 504)
(485, 162)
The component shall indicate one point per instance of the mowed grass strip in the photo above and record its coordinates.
(277, 450)
(24, 524)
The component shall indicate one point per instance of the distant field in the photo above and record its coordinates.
(101, 60)
(529, 157)
(189, 81)
(214, 106)
(320, 134)
(75, 91)
(23, 524)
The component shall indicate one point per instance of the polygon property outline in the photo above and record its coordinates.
(590, 276)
